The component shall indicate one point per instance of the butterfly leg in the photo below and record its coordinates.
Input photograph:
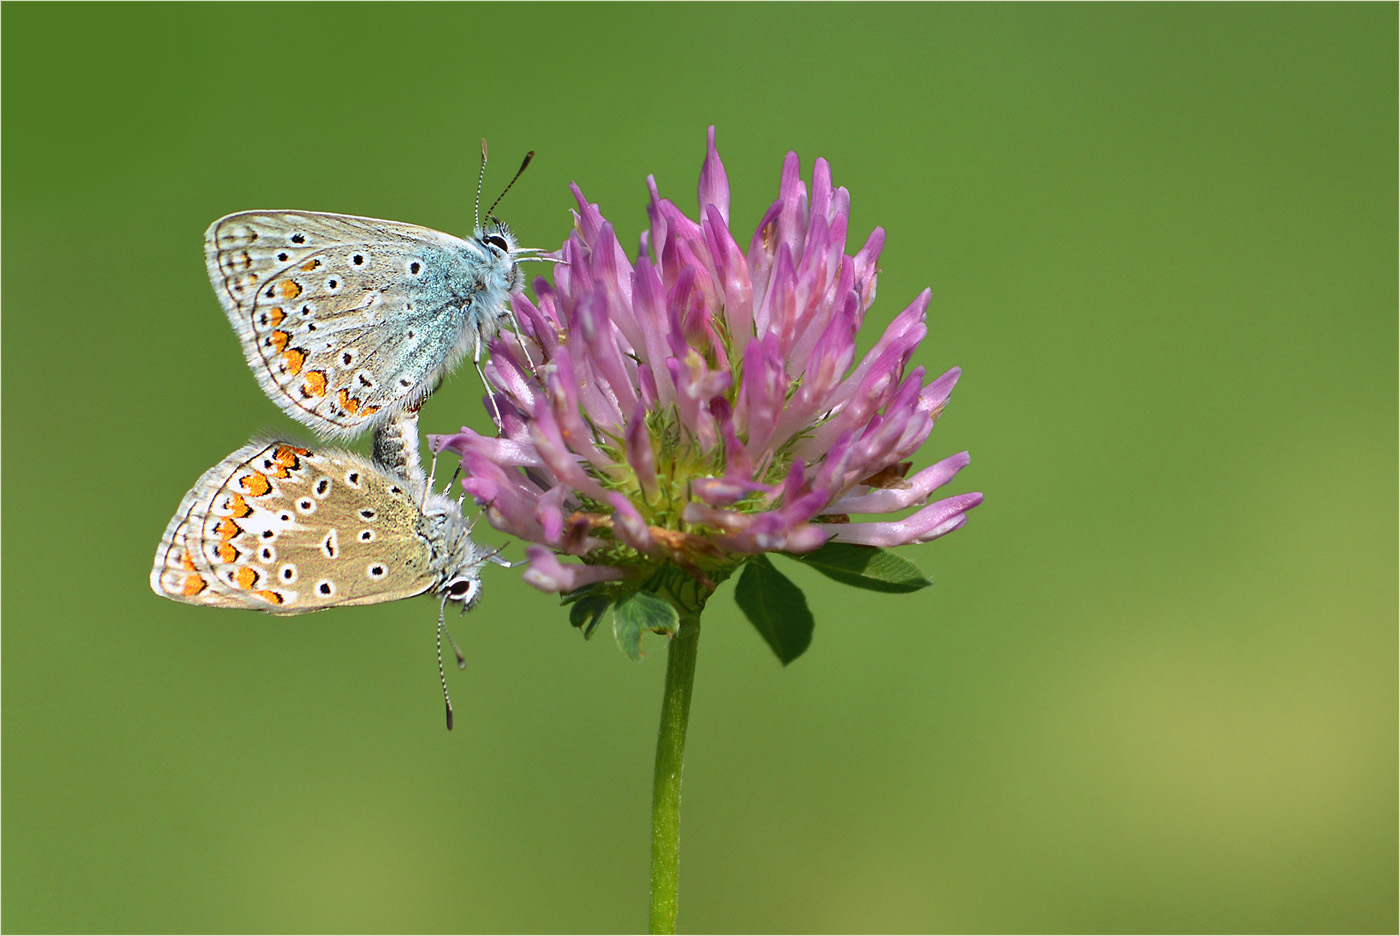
(432, 475)
(456, 473)
(490, 393)
(524, 348)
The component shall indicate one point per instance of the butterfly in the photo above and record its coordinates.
(287, 529)
(346, 321)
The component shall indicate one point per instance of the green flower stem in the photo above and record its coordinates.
(666, 782)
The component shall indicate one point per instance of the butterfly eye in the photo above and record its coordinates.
(497, 241)
(463, 590)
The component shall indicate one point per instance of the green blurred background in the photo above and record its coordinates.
(1154, 688)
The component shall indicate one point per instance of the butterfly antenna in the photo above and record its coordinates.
(480, 177)
(442, 674)
(528, 156)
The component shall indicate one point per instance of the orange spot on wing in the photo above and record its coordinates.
(292, 360)
(271, 597)
(289, 289)
(369, 410)
(246, 577)
(193, 585)
(278, 340)
(315, 383)
(238, 507)
(287, 455)
(227, 529)
(255, 484)
(310, 265)
(286, 461)
(187, 561)
(351, 404)
(227, 552)
(275, 315)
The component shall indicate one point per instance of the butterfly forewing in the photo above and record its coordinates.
(286, 529)
(180, 571)
(346, 320)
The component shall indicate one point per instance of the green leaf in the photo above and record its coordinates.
(776, 607)
(640, 612)
(865, 567)
(587, 611)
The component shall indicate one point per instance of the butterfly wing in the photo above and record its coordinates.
(347, 320)
(285, 529)
(182, 569)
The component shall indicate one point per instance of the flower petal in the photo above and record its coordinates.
(935, 520)
(640, 456)
(913, 491)
(548, 574)
(714, 184)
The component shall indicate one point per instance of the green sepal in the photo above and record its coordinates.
(865, 567)
(640, 612)
(589, 604)
(776, 608)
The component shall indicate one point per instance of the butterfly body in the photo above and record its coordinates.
(285, 529)
(346, 321)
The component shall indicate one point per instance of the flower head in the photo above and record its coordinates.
(704, 403)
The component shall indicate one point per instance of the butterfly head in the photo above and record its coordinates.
(498, 242)
(457, 557)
